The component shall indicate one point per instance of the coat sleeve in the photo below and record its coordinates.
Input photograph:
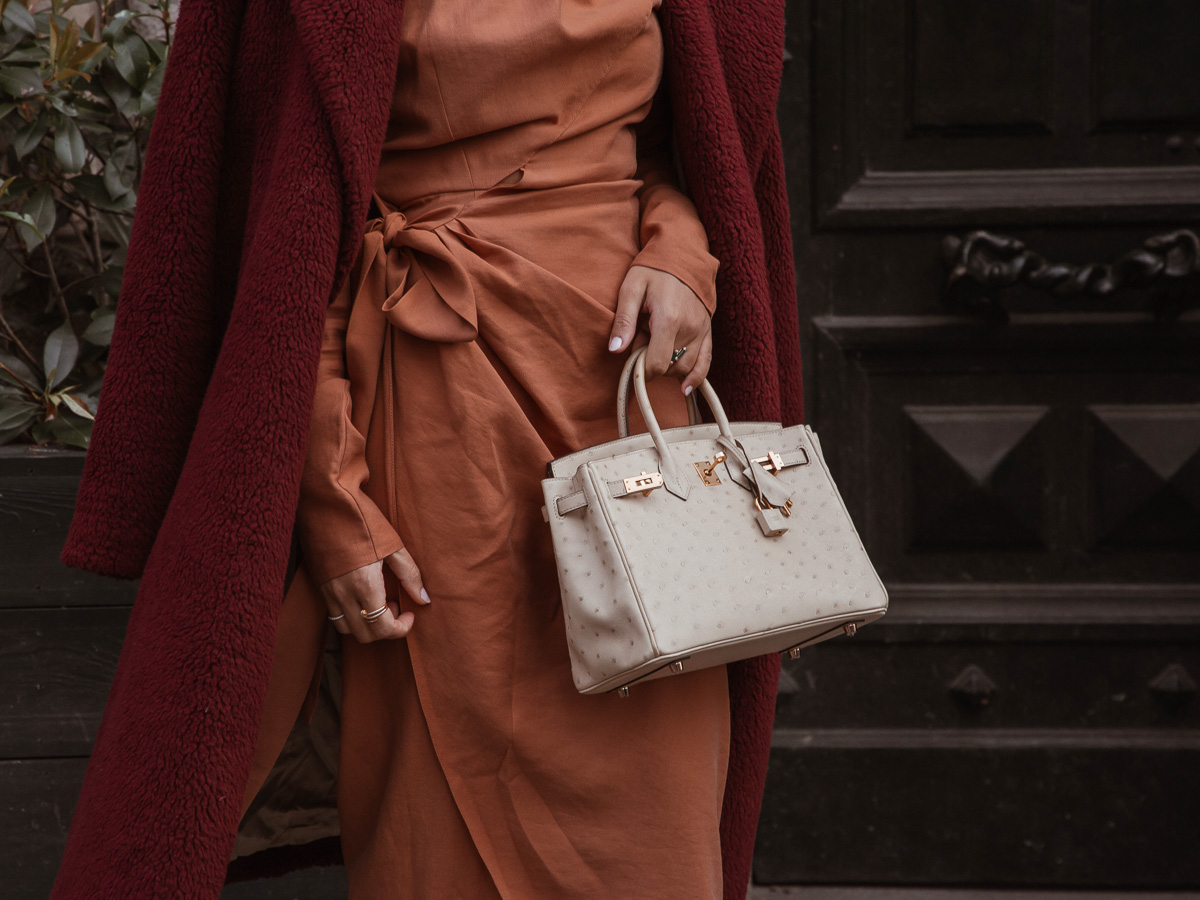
(340, 527)
(672, 236)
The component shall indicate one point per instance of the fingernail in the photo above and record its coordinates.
(615, 343)
(687, 390)
(424, 595)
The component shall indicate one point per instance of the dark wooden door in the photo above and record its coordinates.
(1014, 420)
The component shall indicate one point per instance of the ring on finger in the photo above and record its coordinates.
(675, 356)
(372, 615)
(336, 618)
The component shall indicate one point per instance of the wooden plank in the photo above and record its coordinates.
(1066, 679)
(807, 892)
(38, 799)
(1016, 808)
(57, 666)
(37, 500)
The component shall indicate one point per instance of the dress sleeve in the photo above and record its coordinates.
(340, 526)
(672, 236)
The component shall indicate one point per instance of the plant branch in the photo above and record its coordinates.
(53, 276)
(12, 336)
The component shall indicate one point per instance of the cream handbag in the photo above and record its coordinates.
(698, 545)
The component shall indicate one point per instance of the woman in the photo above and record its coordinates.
(488, 322)
(269, 140)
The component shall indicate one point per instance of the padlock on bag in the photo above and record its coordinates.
(689, 547)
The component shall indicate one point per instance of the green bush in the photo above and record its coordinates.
(77, 99)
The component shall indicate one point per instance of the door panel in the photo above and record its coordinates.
(1021, 454)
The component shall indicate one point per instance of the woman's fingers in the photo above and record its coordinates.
(405, 568)
(664, 339)
(629, 306)
(348, 596)
(701, 361)
(678, 320)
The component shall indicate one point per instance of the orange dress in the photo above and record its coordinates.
(526, 167)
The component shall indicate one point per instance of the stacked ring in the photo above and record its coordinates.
(336, 618)
(675, 356)
(373, 614)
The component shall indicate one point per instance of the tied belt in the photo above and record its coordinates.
(426, 287)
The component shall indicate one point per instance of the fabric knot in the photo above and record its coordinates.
(414, 266)
(393, 224)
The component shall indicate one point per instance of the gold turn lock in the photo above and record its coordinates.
(643, 483)
(708, 470)
(773, 462)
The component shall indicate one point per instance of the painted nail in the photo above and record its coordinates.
(424, 595)
(615, 343)
(687, 390)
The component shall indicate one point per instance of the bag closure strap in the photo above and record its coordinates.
(753, 476)
(617, 487)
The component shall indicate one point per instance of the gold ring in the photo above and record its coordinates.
(675, 356)
(373, 614)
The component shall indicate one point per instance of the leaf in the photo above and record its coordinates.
(91, 188)
(76, 406)
(65, 75)
(119, 171)
(18, 17)
(69, 146)
(14, 419)
(18, 217)
(57, 101)
(84, 52)
(21, 81)
(31, 134)
(148, 102)
(116, 88)
(68, 41)
(117, 24)
(40, 208)
(60, 353)
(6, 108)
(159, 49)
(113, 182)
(54, 42)
(16, 372)
(97, 53)
(35, 53)
(70, 430)
(132, 59)
(100, 329)
(16, 413)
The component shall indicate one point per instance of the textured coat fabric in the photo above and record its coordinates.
(258, 180)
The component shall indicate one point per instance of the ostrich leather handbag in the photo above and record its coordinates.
(698, 545)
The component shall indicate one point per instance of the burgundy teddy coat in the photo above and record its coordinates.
(257, 182)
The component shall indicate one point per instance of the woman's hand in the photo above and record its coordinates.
(677, 318)
(363, 589)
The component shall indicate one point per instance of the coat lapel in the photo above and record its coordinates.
(352, 50)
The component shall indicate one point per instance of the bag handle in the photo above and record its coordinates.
(673, 479)
(625, 385)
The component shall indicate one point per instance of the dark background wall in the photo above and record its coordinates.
(1023, 462)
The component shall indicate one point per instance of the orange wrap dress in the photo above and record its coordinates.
(527, 166)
